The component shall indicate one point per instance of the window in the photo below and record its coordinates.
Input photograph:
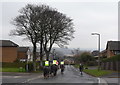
(116, 52)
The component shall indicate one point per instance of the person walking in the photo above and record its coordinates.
(62, 67)
(55, 68)
(51, 70)
(81, 68)
(46, 70)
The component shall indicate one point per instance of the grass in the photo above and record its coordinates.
(12, 70)
(77, 66)
(96, 73)
(17, 70)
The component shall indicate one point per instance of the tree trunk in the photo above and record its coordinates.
(41, 53)
(34, 56)
(47, 56)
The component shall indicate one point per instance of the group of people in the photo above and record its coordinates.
(52, 70)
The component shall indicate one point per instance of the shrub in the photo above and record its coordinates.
(30, 67)
(112, 59)
(13, 65)
(91, 63)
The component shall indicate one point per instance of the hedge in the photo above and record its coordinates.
(112, 59)
(13, 65)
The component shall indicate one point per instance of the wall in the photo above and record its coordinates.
(9, 54)
(22, 55)
(109, 53)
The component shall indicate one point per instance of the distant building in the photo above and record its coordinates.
(95, 53)
(113, 48)
(9, 51)
(69, 59)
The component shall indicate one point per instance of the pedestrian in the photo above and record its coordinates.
(46, 70)
(51, 70)
(81, 68)
(62, 67)
(55, 68)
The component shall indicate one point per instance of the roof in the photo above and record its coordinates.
(23, 49)
(104, 51)
(95, 53)
(113, 45)
(7, 43)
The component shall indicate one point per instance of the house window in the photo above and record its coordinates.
(117, 52)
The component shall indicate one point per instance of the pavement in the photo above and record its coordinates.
(113, 78)
(110, 79)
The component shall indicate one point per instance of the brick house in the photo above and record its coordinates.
(112, 48)
(103, 54)
(9, 51)
(23, 53)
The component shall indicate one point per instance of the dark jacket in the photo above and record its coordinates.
(62, 66)
(81, 67)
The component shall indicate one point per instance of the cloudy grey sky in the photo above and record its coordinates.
(88, 17)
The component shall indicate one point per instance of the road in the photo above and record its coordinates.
(71, 75)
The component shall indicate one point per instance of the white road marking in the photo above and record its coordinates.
(32, 79)
(16, 76)
(98, 80)
(11, 76)
(101, 81)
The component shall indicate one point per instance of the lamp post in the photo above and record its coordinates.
(98, 49)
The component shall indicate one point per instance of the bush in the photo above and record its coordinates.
(112, 59)
(91, 63)
(30, 67)
(13, 65)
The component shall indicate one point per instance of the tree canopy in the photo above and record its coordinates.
(45, 25)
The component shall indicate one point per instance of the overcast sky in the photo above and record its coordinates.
(88, 17)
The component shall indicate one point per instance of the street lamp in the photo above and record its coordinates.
(98, 49)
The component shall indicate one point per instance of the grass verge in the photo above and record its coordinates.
(96, 73)
(77, 66)
(17, 70)
(12, 70)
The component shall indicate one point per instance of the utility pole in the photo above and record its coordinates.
(98, 49)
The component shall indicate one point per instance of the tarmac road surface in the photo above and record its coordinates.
(71, 75)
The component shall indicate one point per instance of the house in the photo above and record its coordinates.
(30, 54)
(103, 54)
(95, 53)
(9, 51)
(23, 53)
(112, 48)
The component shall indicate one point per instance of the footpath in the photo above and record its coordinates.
(110, 79)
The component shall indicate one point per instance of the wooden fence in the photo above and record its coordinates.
(115, 66)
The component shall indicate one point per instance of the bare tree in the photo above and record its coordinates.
(45, 25)
(28, 23)
(58, 30)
